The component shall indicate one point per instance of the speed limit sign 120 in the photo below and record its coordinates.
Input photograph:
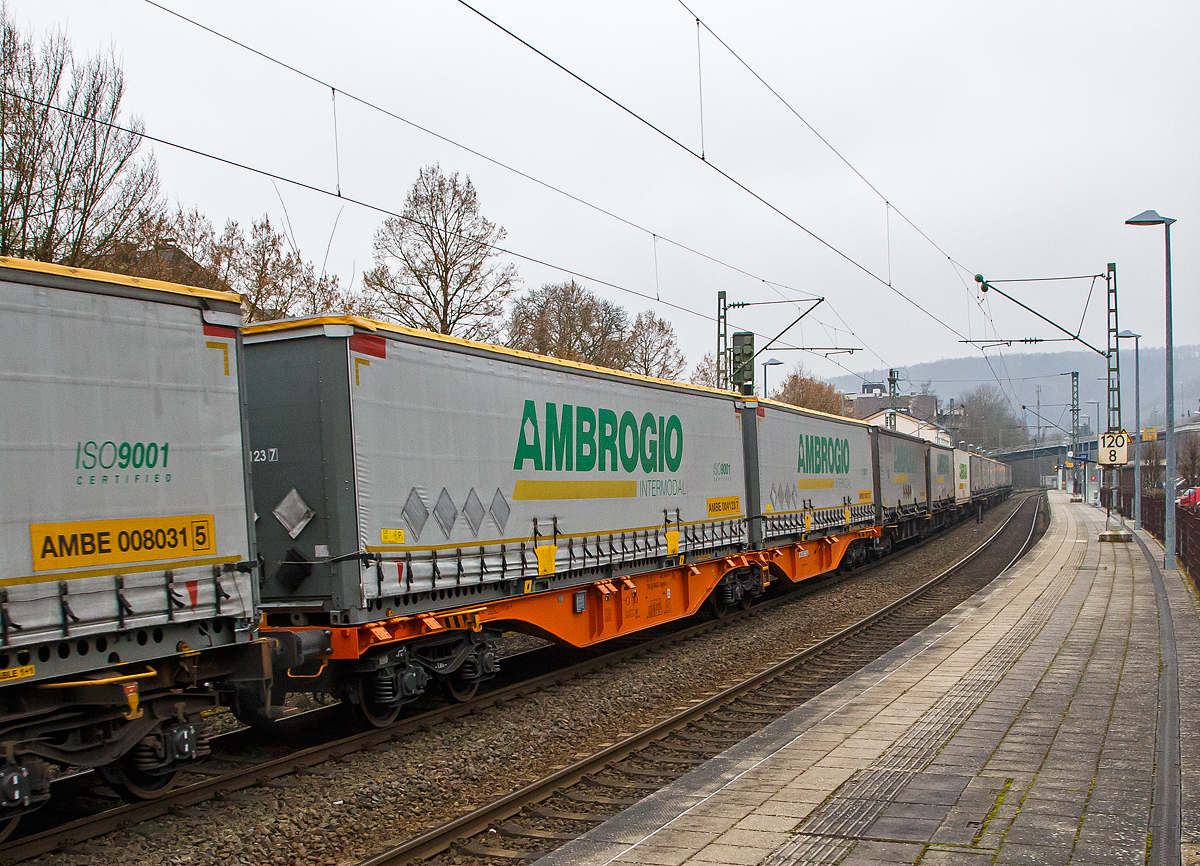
(1114, 449)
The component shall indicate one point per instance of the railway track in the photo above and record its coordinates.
(540, 817)
(230, 769)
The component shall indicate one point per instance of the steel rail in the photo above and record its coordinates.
(441, 838)
(218, 787)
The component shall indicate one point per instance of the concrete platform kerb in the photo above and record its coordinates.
(1022, 727)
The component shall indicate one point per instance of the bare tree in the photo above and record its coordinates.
(705, 372)
(988, 421)
(1189, 458)
(569, 321)
(434, 265)
(1152, 465)
(809, 392)
(653, 348)
(265, 267)
(71, 188)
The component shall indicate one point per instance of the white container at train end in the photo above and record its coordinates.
(122, 472)
(815, 471)
(457, 466)
(902, 471)
(962, 476)
(941, 474)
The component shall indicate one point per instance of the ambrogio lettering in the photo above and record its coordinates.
(581, 439)
(823, 455)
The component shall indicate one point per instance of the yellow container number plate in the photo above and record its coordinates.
(725, 506)
(391, 536)
(95, 543)
(23, 672)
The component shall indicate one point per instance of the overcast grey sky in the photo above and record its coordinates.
(1017, 136)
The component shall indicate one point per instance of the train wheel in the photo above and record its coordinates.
(133, 784)
(719, 608)
(747, 600)
(365, 710)
(7, 827)
(458, 689)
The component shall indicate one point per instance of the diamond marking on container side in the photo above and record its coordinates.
(293, 513)
(500, 510)
(445, 512)
(415, 513)
(473, 511)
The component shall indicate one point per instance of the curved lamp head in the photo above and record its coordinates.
(1149, 218)
(772, 362)
(1128, 334)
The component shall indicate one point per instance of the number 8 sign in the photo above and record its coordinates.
(1114, 449)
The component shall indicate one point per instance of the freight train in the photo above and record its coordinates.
(419, 494)
(195, 512)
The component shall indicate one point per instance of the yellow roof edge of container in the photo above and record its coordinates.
(118, 279)
(374, 325)
(389, 327)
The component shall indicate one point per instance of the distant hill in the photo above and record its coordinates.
(1021, 372)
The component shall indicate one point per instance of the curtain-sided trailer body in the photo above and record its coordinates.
(962, 477)
(980, 477)
(902, 470)
(815, 472)
(942, 485)
(416, 491)
(424, 471)
(979, 486)
(125, 538)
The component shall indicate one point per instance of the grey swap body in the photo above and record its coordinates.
(442, 472)
(122, 471)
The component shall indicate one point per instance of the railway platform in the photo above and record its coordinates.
(1051, 718)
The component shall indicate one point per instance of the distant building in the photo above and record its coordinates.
(863, 406)
(928, 430)
(165, 262)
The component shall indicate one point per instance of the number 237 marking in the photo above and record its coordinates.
(265, 455)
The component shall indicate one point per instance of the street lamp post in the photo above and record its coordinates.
(1099, 474)
(1137, 425)
(1152, 218)
(770, 362)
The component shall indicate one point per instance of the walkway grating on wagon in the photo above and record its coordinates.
(1043, 721)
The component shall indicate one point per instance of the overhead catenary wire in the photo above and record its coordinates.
(1049, 279)
(299, 184)
(774, 285)
(812, 129)
(337, 158)
(761, 199)
(700, 86)
(956, 266)
(887, 203)
(366, 103)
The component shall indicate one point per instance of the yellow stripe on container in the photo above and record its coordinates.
(575, 490)
(900, 478)
(815, 484)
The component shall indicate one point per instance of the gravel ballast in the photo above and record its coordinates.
(345, 810)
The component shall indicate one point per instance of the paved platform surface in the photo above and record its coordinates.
(1043, 721)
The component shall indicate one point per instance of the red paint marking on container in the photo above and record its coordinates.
(368, 344)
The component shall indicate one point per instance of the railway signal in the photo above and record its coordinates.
(742, 364)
